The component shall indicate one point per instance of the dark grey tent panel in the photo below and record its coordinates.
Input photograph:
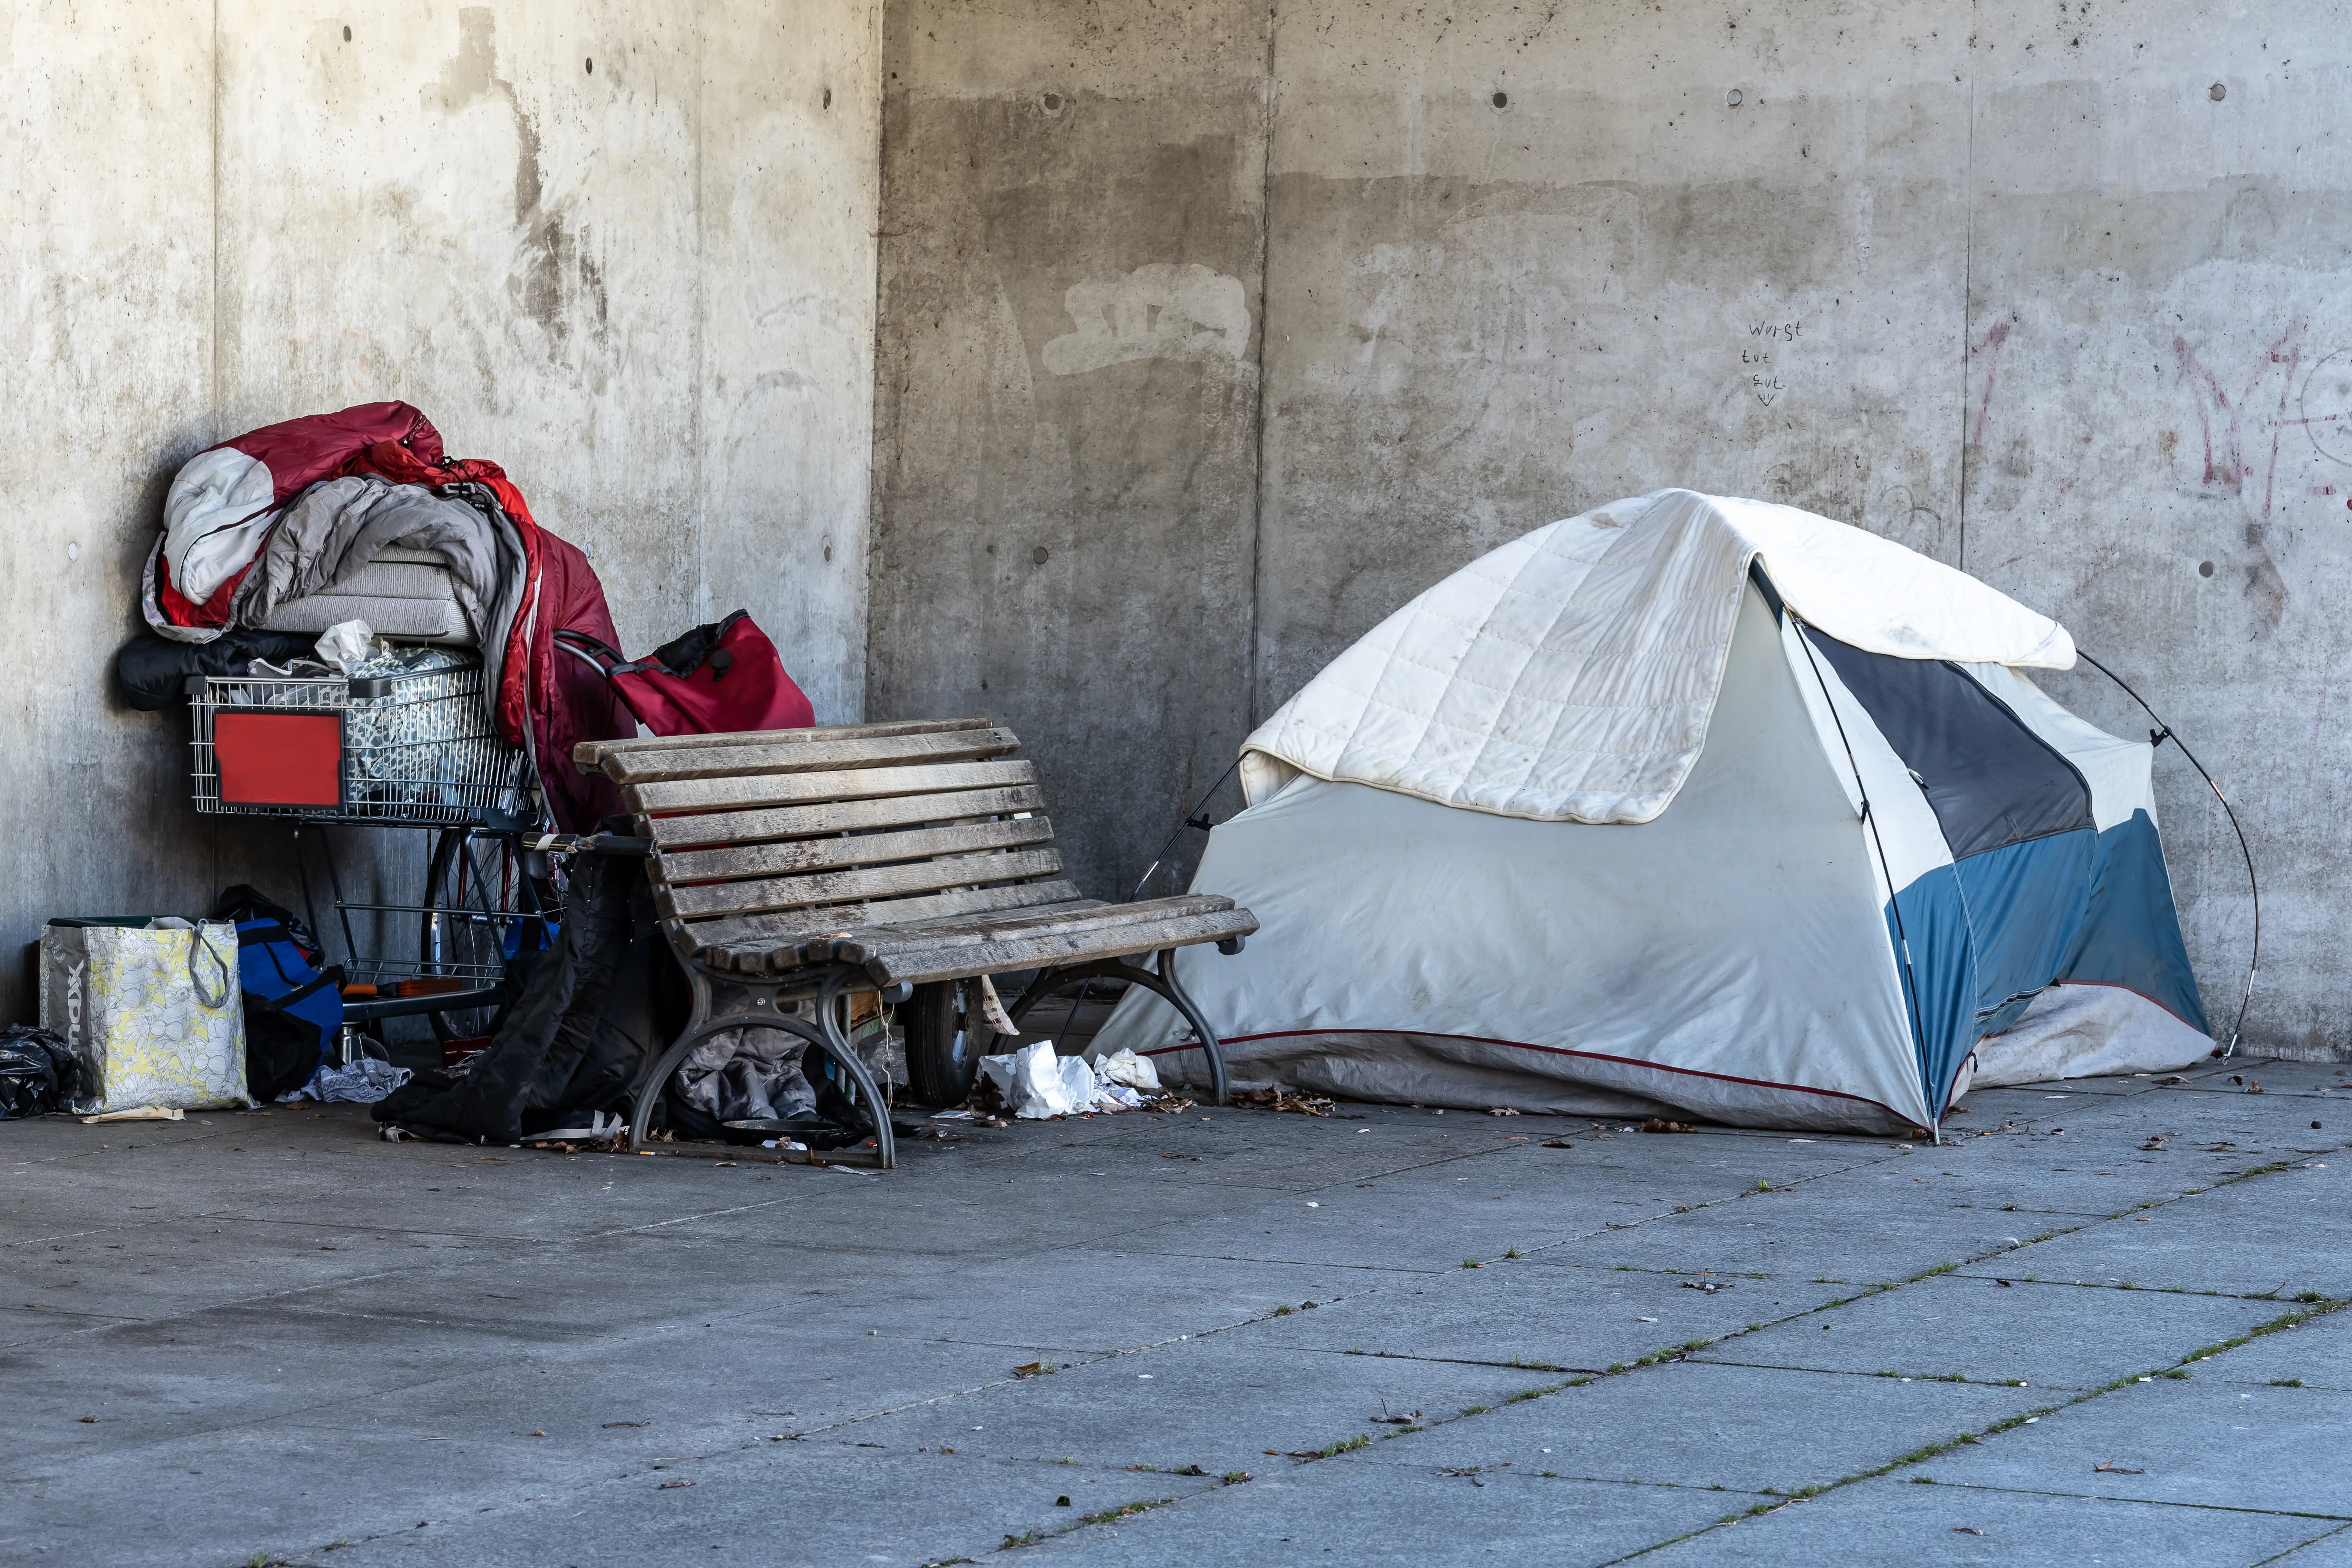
(1989, 779)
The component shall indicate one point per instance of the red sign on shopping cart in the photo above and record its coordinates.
(279, 759)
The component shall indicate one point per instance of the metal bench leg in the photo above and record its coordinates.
(764, 1013)
(837, 1046)
(1163, 984)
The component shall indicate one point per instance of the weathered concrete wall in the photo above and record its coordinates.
(1066, 440)
(2013, 285)
(625, 249)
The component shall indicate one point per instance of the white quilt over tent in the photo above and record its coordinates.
(1579, 829)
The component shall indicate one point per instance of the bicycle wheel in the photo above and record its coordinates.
(484, 913)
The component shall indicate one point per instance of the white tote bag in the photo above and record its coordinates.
(156, 1017)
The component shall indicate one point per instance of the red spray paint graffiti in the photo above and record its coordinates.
(1988, 348)
(2223, 418)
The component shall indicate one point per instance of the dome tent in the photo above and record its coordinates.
(1692, 804)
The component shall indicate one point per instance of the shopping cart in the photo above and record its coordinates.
(411, 749)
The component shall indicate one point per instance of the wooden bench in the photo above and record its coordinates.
(795, 864)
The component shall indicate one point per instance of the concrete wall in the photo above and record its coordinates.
(2060, 293)
(1067, 441)
(625, 249)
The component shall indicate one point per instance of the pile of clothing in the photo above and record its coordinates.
(286, 531)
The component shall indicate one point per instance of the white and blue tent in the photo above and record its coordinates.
(1691, 804)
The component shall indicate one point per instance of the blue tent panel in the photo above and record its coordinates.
(1989, 932)
(2132, 937)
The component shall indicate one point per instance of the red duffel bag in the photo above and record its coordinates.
(714, 680)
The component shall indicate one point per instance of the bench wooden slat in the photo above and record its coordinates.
(1035, 952)
(671, 834)
(787, 930)
(864, 943)
(794, 856)
(808, 756)
(849, 886)
(746, 793)
(589, 755)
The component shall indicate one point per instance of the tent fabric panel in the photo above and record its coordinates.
(1902, 826)
(1991, 780)
(1739, 934)
(2028, 906)
(1474, 1075)
(1569, 675)
(2088, 1031)
(2119, 772)
(1928, 924)
(2131, 936)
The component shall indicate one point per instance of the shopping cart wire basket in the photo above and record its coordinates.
(413, 747)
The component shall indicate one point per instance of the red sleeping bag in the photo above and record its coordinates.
(714, 680)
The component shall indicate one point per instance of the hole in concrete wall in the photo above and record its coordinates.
(1051, 102)
(590, 65)
(828, 546)
(1502, 100)
(347, 35)
(2204, 569)
(1039, 555)
(1733, 99)
(828, 97)
(2217, 92)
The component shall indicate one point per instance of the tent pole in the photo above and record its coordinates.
(2155, 737)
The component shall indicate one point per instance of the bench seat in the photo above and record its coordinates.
(876, 857)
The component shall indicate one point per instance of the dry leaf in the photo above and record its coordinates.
(1660, 1125)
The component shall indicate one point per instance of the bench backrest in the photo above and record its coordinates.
(769, 836)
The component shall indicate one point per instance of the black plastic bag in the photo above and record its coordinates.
(36, 1072)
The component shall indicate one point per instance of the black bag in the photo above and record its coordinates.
(36, 1072)
(592, 1015)
(293, 1008)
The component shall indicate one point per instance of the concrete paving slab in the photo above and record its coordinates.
(1577, 1319)
(201, 1263)
(2317, 1353)
(1748, 1428)
(1514, 1195)
(1887, 1522)
(729, 1303)
(165, 1378)
(2286, 1232)
(1219, 1402)
(957, 1219)
(691, 1388)
(1091, 1298)
(491, 1506)
(1795, 1233)
(2102, 1173)
(2257, 1076)
(2331, 1551)
(1958, 1325)
(1335, 1512)
(2201, 1440)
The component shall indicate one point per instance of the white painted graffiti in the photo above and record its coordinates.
(1162, 311)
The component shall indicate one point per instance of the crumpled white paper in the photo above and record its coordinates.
(1036, 1083)
(1123, 1066)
